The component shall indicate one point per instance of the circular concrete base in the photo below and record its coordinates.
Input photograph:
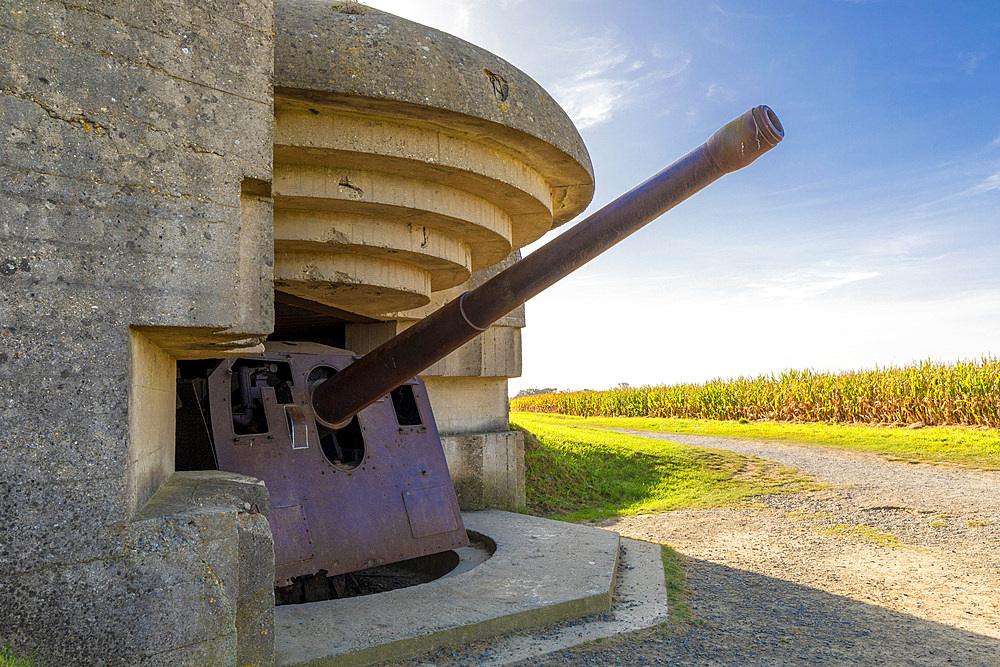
(541, 572)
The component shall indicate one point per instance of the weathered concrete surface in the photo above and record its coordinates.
(410, 166)
(640, 601)
(134, 230)
(234, 548)
(385, 65)
(487, 469)
(542, 571)
(190, 582)
(406, 159)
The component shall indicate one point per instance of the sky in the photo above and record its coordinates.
(869, 237)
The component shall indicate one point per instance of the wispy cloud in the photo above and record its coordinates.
(988, 184)
(730, 14)
(604, 75)
(971, 61)
(808, 283)
(592, 94)
(715, 90)
(592, 76)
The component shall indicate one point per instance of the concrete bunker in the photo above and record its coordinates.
(211, 211)
(379, 201)
(181, 184)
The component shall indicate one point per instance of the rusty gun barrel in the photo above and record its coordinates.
(383, 369)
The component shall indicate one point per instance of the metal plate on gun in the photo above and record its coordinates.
(426, 509)
(376, 491)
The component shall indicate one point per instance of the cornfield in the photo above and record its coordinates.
(966, 393)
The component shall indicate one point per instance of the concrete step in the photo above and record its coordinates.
(640, 601)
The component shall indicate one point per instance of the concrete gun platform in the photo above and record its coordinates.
(541, 572)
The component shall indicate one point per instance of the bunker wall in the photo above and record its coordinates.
(135, 230)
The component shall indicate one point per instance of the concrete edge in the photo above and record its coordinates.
(405, 648)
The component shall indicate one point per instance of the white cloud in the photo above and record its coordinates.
(988, 184)
(457, 17)
(591, 96)
(596, 83)
(715, 90)
(808, 283)
(592, 76)
(971, 61)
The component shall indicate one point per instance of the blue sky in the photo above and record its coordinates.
(870, 236)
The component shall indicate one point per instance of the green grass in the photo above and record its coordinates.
(577, 473)
(864, 534)
(10, 658)
(967, 447)
(677, 592)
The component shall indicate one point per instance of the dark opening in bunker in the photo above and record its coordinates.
(412, 572)
(194, 449)
(405, 405)
(343, 447)
(415, 571)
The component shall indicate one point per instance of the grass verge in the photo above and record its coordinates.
(677, 591)
(966, 447)
(10, 658)
(576, 473)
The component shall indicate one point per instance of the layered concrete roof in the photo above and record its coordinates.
(414, 71)
(406, 158)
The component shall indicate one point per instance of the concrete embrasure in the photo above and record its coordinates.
(542, 572)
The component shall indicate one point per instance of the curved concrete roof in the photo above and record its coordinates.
(379, 63)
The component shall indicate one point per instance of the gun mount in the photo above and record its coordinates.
(348, 446)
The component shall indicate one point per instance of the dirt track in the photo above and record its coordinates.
(901, 565)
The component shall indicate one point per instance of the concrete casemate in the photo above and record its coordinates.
(406, 158)
(165, 166)
(409, 167)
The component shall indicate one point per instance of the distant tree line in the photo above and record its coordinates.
(534, 391)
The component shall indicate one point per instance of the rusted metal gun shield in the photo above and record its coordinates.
(398, 503)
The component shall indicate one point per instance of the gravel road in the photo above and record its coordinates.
(897, 564)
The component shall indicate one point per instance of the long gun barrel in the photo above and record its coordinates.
(383, 369)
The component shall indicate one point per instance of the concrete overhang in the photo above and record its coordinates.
(406, 158)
